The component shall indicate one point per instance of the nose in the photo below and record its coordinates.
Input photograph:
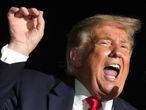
(116, 52)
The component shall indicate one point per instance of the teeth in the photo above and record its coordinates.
(110, 77)
(115, 66)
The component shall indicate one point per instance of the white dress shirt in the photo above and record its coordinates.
(81, 93)
(9, 56)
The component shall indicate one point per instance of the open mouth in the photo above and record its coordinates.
(112, 71)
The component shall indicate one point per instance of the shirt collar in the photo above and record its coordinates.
(81, 93)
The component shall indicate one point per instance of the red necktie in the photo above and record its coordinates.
(93, 103)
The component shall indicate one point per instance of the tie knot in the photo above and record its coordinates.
(93, 103)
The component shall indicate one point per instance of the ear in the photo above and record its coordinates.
(74, 57)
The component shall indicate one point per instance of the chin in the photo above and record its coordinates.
(111, 92)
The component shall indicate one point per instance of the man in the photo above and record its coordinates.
(98, 57)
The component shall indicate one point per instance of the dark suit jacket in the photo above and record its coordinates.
(32, 90)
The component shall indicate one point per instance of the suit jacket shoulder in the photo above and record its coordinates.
(121, 104)
(45, 91)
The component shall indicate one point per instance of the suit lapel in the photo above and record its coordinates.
(61, 97)
(118, 104)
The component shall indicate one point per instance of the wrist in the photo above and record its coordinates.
(9, 56)
(20, 48)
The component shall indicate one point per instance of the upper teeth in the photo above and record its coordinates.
(115, 66)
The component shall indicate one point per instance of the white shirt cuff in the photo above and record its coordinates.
(10, 56)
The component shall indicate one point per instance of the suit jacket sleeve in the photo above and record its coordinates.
(9, 74)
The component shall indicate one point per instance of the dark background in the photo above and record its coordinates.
(60, 16)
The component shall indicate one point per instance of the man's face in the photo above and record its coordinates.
(104, 70)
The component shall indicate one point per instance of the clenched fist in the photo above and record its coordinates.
(26, 28)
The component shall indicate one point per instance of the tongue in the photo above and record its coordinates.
(110, 73)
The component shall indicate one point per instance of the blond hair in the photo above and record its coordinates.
(82, 33)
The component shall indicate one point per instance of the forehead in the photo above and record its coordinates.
(111, 23)
(111, 29)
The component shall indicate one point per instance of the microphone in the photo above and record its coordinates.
(113, 93)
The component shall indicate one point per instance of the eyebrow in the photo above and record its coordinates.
(124, 41)
(105, 38)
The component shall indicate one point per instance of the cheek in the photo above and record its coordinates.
(124, 74)
(100, 53)
(127, 63)
(127, 58)
(97, 59)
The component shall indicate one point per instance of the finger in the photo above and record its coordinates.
(24, 11)
(41, 23)
(33, 12)
(12, 12)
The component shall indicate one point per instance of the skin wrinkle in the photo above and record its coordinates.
(112, 24)
(94, 44)
(98, 55)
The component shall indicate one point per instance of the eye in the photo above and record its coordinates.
(105, 42)
(125, 46)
